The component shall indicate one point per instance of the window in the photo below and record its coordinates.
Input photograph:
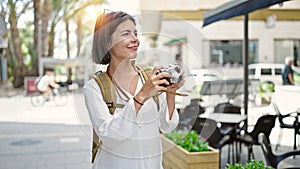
(266, 71)
(286, 47)
(252, 72)
(230, 52)
(278, 71)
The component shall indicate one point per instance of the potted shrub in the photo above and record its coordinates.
(186, 150)
(265, 91)
(249, 165)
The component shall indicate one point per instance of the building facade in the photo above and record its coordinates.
(273, 34)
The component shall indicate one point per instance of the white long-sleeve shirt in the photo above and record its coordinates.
(130, 140)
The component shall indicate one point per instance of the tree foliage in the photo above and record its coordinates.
(36, 37)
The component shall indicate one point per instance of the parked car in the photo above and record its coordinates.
(266, 72)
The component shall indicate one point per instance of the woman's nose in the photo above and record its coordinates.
(134, 38)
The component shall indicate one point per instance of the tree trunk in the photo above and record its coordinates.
(79, 32)
(51, 39)
(16, 54)
(45, 19)
(68, 37)
(37, 34)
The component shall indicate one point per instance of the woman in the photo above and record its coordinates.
(131, 136)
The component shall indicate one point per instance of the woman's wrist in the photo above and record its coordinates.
(138, 101)
(170, 95)
(140, 98)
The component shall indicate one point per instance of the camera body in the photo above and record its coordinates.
(174, 71)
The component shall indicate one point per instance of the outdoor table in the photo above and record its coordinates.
(226, 118)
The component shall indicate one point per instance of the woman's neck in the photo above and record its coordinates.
(124, 75)
(121, 69)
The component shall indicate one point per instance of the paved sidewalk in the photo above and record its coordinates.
(51, 137)
(7, 90)
(46, 137)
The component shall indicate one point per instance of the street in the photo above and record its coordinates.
(51, 137)
(47, 137)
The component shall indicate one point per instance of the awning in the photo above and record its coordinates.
(236, 8)
(176, 41)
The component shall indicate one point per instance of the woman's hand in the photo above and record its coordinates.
(154, 84)
(173, 87)
(170, 94)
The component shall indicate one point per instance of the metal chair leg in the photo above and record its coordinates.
(233, 156)
(228, 158)
(237, 152)
(295, 140)
(252, 152)
(279, 139)
(249, 152)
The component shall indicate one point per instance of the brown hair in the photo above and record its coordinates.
(105, 25)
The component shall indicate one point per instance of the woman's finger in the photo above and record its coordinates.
(155, 69)
(162, 75)
(163, 82)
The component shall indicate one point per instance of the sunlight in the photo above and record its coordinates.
(91, 13)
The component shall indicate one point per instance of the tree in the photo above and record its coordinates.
(66, 11)
(79, 14)
(37, 19)
(15, 56)
(47, 9)
(42, 9)
(45, 12)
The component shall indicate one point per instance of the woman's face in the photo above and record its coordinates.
(124, 42)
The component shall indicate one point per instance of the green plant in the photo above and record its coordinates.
(296, 77)
(266, 87)
(265, 90)
(190, 141)
(249, 165)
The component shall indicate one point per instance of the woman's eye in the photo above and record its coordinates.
(125, 34)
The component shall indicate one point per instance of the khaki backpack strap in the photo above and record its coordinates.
(109, 96)
(146, 71)
(95, 145)
(107, 90)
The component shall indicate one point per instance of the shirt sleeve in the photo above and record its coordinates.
(290, 70)
(110, 128)
(166, 124)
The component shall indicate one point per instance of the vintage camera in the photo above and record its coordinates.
(174, 71)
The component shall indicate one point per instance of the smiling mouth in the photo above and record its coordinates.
(133, 47)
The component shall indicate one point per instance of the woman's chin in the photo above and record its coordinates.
(133, 55)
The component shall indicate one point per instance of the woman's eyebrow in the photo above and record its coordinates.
(128, 30)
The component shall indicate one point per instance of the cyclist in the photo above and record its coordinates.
(46, 84)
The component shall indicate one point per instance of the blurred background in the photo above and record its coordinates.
(57, 35)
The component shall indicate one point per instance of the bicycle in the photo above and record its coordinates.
(58, 95)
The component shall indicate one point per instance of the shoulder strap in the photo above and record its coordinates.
(109, 96)
(146, 70)
(108, 91)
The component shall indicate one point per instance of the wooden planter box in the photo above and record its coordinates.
(175, 157)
